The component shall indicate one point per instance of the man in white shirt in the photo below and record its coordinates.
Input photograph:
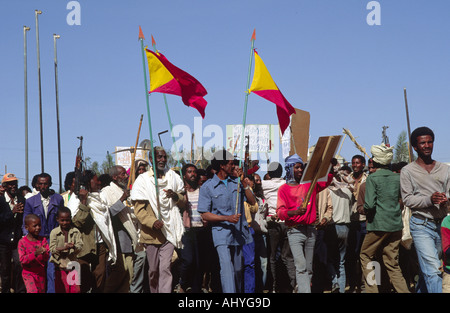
(277, 230)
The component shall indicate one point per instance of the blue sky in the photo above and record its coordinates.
(323, 55)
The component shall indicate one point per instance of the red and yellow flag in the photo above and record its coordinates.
(167, 78)
(264, 86)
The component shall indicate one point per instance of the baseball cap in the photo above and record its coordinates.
(9, 177)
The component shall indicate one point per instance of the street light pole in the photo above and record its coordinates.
(57, 111)
(38, 12)
(25, 29)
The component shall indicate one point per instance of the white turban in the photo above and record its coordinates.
(382, 154)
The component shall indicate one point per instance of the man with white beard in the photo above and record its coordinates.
(125, 232)
(161, 223)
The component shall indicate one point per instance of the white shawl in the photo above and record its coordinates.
(100, 214)
(110, 195)
(144, 189)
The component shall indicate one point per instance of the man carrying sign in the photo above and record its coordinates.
(301, 219)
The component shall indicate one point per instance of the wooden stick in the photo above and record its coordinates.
(409, 127)
(132, 176)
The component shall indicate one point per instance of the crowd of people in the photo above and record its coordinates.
(370, 226)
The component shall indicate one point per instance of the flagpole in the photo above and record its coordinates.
(168, 116)
(245, 114)
(411, 155)
(57, 112)
(37, 12)
(155, 175)
(25, 29)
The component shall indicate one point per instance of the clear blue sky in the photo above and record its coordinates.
(322, 54)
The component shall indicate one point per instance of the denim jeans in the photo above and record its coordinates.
(230, 258)
(337, 247)
(427, 240)
(260, 261)
(248, 251)
(50, 275)
(302, 239)
(279, 247)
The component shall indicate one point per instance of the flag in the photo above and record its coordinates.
(167, 78)
(264, 86)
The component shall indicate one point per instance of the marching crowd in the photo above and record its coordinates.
(371, 226)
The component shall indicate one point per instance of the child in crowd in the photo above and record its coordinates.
(65, 244)
(33, 254)
(445, 233)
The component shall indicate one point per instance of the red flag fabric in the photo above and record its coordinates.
(172, 80)
(264, 86)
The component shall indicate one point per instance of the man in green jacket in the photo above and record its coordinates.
(384, 223)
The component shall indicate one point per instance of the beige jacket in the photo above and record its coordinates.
(85, 223)
(147, 218)
(57, 240)
(324, 206)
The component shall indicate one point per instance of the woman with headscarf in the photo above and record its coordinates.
(300, 220)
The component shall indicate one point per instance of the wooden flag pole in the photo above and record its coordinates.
(132, 176)
(409, 127)
(170, 120)
(245, 114)
(155, 174)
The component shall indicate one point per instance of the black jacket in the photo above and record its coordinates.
(10, 224)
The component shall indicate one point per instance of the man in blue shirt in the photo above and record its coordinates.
(217, 204)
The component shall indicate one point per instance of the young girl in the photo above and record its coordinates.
(65, 243)
(33, 254)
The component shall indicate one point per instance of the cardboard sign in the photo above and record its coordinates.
(123, 156)
(319, 165)
(299, 133)
(261, 138)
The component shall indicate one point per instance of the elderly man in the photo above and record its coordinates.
(125, 232)
(425, 187)
(384, 222)
(157, 211)
(11, 215)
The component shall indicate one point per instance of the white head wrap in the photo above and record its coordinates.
(382, 154)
